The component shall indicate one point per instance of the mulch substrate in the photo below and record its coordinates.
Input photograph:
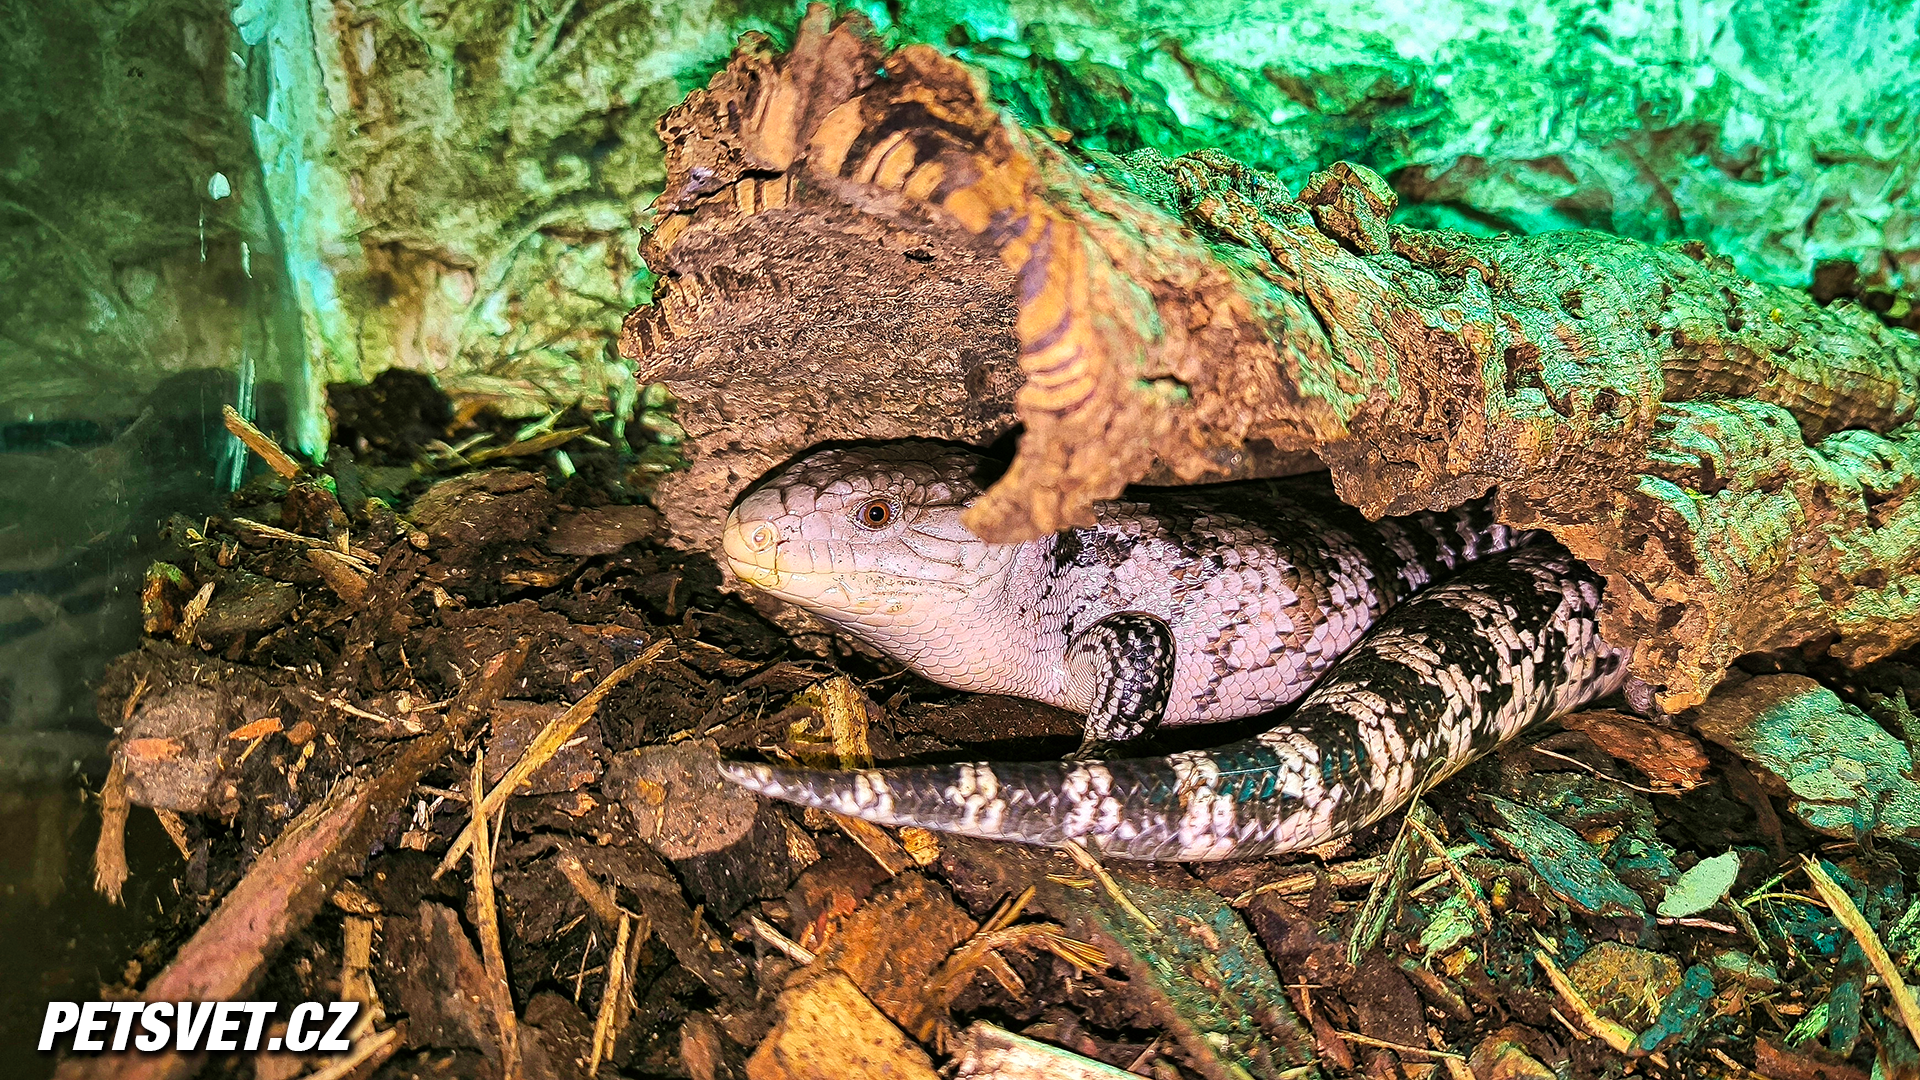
(341, 666)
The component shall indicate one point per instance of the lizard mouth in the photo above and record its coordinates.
(753, 553)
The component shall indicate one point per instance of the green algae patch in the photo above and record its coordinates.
(1847, 776)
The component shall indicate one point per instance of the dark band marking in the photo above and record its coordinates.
(1131, 657)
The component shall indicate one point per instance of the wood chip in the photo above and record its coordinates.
(356, 962)
(892, 945)
(256, 729)
(835, 719)
(152, 749)
(1672, 759)
(344, 576)
(110, 851)
(923, 846)
(1774, 1060)
(349, 897)
(828, 1028)
(279, 894)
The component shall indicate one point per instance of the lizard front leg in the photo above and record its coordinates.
(1123, 667)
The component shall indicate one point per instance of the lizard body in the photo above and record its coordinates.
(1182, 606)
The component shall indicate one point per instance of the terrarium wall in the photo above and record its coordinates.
(142, 286)
(136, 242)
(460, 188)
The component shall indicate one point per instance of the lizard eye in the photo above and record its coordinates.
(876, 513)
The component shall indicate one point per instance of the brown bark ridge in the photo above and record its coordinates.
(859, 245)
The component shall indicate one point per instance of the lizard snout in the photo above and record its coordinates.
(752, 548)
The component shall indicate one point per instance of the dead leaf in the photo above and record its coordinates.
(1672, 759)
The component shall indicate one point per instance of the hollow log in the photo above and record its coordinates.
(858, 244)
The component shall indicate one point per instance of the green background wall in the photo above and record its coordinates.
(458, 187)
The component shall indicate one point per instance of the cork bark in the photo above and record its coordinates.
(857, 244)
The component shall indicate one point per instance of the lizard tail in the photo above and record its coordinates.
(1105, 804)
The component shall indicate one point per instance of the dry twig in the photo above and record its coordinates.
(1009, 910)
(610, 996)
(548, 743)
(1457, 872)
(874, 841)
(260, 443)
(191, 613)
(538, 444)
(491, 953)
(1092, 866)
(981, 949)
(1398, 1048)
(598, 898)
(176, 829)
(1346, 875)
(355, 559)
(788, 947)
(1615, 1036)
(356, 963)
(1844, 910)
(369, 1052)
(1456, 1067)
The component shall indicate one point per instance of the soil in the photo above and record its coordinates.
(355, 612)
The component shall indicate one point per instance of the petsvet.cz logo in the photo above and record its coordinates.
(190, 1025)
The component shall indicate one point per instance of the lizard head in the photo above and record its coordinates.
(869, 538)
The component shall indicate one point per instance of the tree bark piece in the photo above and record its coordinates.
(828, 1028)
(860, 246)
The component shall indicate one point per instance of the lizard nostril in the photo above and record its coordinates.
(762, 537)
